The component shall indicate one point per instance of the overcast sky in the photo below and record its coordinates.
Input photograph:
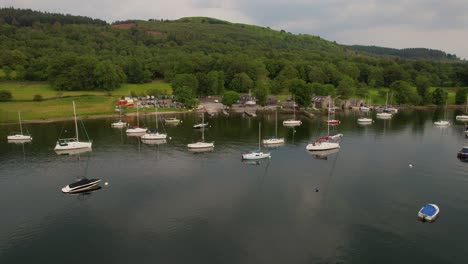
(432, 24)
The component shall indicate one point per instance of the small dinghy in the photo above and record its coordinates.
(463, 154)
(81, 186)
(428, 213)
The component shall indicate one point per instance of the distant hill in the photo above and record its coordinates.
(205, 54)
(408, 53)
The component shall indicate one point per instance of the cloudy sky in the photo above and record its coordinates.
(398, 24)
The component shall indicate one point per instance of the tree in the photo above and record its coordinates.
(346, 87)
(108, 76)
(5, 96)
(461, 95)
(392, 74)
(262, 90)
(185, 87)
(301, 91)
(439, 96)
(230, 98)
(137, 73)
(405, 93)
(241, 83)
(422, 85)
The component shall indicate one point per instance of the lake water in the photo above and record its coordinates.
(164, 204)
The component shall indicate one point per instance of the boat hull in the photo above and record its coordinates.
(273, 141)
(428, 213)
(201, 145)
(365, 120)
(292, 123)
(136, 131)
(462, 117)
(19, 137)
(384, 115)
(153, 136)
(81, 186)
(442, 123)
(256, 156)
(73, 146)
(119, 124)
(321, 146)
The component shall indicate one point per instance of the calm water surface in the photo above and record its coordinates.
(164, 204)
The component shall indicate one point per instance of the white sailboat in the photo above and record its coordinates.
(443, 122)
(325, 143)
(332, 121)
(136, 130)
(465, 116)
(201, 144)
(154, 135)
(365, 120)
(274, 140)
(172, 120)
(257, 154)
(119, 123)
(292, 122)
(19, 136)
(384, 115)
(71, 144)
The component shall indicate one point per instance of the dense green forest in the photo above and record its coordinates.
(204, 56)
(408, 53)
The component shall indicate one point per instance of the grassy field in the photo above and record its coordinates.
(87, 102)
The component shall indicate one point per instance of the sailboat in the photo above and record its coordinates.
(257, 154)
(292, 122)
(119, 123)
(154, 135)
(465, 116)
(71, 144)
(332, 121)
(274, 140)
(19, 136)
(364, 108)
(201, 144)
(136, 130)
(384, 115)
(443, 122)
(391, 109)
(365, 120)
(325, 143)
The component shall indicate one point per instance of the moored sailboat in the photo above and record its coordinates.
(67, 144)
(19, 136)
(274, 140)
(201, 144)
(257, 154)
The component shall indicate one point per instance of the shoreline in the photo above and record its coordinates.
(262, 109)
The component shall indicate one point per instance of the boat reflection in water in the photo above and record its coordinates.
(19, 141)
(73, 151)
(323, 154)
(153, 141)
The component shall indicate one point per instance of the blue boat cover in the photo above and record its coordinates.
(465, 150)
(428, 210)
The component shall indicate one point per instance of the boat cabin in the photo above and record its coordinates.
(65, 141)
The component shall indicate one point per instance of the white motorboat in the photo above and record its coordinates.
(200, 125)
(364, 109)
(201, 144)
(81, 186)
(154, 141)
(19, 136)
(72, 143)
(257, 154)
(154, 135)
(274, 140)
(428, 213)
(292, 122)
(136, 130)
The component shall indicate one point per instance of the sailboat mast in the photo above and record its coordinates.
(466, 106)
(156, 112)
(386, 100)
(21, 126)
(276, 124)
(328, 121)
(294, 107)
(138, 119)
(259, 128)
(76, 123)
(203, 127)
